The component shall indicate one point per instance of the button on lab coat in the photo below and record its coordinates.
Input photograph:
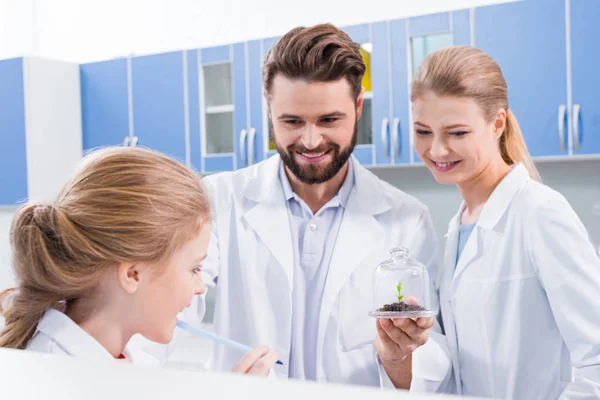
(251, 255)
(521, 310)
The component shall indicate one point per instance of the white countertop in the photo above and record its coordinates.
(30, 375)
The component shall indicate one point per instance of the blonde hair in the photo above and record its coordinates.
(468, 72)
(122, 205)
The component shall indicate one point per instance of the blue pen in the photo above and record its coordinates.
(216, 338)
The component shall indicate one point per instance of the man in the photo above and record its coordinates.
(296, 238)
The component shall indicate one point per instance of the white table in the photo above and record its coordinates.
(29, 375)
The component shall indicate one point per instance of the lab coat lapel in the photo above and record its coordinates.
(492, 213)
(357, 237)
(446, 291)
(451, 249)
(266, 213)
(470, 252)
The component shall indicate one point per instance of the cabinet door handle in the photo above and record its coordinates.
(395, 141)
(251, 139)
(562, 109)
(384, 137)
(576, 113)
(243, 135)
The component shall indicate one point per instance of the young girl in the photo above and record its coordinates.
(118, 253)
(520, 284)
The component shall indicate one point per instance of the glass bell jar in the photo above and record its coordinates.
(401, 288)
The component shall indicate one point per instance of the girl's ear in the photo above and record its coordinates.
(130, 276)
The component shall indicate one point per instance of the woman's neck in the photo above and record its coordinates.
(104, 325)
(477, 190)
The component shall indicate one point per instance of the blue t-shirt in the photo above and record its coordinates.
(464, 231)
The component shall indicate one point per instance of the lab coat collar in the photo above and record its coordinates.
(71, 337)
(340, 199)
(502, 196)
(499, 201)
(78, 343)
(265, 187)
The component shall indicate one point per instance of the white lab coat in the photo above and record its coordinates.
(525, 297)
(251, 255)
(56, 333)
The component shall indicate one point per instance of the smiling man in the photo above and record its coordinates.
(296, 238)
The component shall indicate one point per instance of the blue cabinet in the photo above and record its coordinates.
(240, 80)
(256, 145)
(104, 103)
(269, 144)
(381, 103)
(13, 152)
(461, 22)
(217, 108)
(365, 150)
(401, 128)
(207, 107)
(527, 39)
(585, 76)
(192, 98)
(157, 88)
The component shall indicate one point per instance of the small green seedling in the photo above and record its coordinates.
(399, 289)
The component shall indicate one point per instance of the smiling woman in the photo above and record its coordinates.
(462, 118)
(516, 253)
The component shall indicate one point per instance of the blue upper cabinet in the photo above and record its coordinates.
(157, 87)
(193, 119)
(461, 22)
(527, 39)
(585, 76)
(400, 126)
(13, 153)
(365, 147)
(241, 123)
(381, 106)
(256, 144)
(217, 105)
(104, 103)
(269, 144)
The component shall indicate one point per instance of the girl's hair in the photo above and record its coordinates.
(468, 72)
(122, 205)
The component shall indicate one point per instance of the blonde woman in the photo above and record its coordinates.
(118, 253)
(520, 285)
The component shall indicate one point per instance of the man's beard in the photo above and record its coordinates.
(316, 173)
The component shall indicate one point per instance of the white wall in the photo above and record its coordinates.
(89, 30)
(54, 133)
(18, 28)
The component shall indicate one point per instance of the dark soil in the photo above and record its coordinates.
(402, 306)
